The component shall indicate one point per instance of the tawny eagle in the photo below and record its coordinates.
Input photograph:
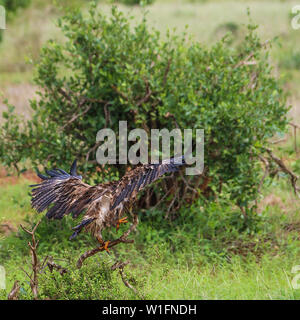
(103, 204)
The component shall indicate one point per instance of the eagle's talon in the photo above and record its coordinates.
(106, 246)
(123, 220)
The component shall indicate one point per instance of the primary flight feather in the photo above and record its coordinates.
(103, 204)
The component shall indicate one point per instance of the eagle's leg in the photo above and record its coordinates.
(123, 220)
(104, 244)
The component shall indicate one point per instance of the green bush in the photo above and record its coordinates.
(108, 70)
(93, 281)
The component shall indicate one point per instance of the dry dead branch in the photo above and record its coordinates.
(294, 178)
(147, 95)
(278, 141)
(34, 261)
(15, 291)
(170, 115)
(120, 266)
(54, 266)
(295, 127)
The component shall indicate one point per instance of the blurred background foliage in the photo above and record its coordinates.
(11, 8)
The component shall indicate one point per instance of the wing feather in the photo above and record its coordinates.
(63, 193)
(139, 178)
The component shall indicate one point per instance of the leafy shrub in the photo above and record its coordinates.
(107, 71)
(3, 295)
(93, 281)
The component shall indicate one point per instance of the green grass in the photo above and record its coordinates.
(270, 279)
(14, 204)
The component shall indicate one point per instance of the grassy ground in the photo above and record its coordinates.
(206, 261)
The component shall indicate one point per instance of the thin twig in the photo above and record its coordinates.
(294, 178)
(34, 261)
(107, 115)
(123, 95)
(51, 265)
(170, 115)
(120, 266)
(278, 141)
(15, 291)
(294, 125)
(75, 117)
(147, 96)
(92, 150)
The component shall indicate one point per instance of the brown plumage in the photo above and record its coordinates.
(104, 204)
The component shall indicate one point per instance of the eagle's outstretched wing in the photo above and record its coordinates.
(63, 193)
(139, 178)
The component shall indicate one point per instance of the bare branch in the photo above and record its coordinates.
(51, 265)
(120, 266)
(75, 117)
(294, 178)
(123, 95)
(15, 291)
(278, 141)
(27, 274)
(295, 127)
(92, 150)
(147, 96)
(188, 186)
(107, 115)
(34, 261)
(64, 94)
(170, 115)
